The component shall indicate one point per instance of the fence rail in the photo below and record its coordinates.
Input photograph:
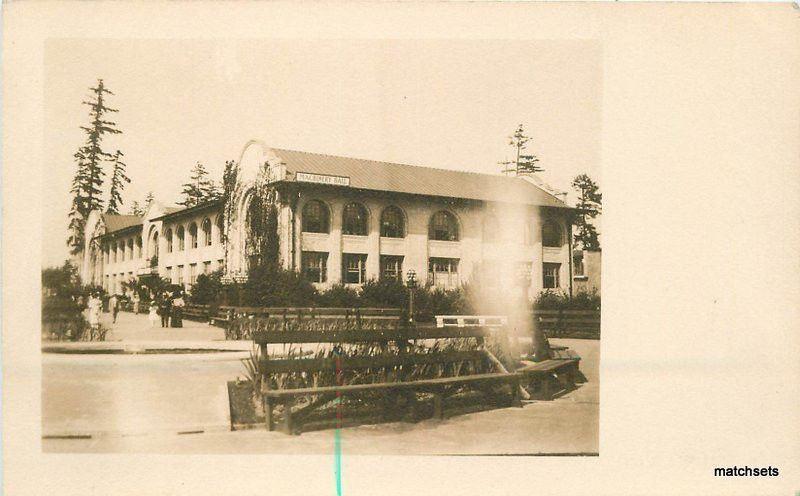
(582, 324)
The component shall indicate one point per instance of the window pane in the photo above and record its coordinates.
(443, 272)
(315, 217)
(354, 268)
(354, 220)
(550, 274)
(315, 266)
(392, 223)
(392, 267)
(443, 227)
(551, 234)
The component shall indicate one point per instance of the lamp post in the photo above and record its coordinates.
(411, 282)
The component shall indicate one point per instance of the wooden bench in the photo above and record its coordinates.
(549, 378)
(224, 314)
(196, 312)
(402, 359)
(583, 324)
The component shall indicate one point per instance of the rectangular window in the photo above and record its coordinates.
(206, 268)
(577, 263)
(170, 275)
(443, 272)
(315, 265)
(354, 268)
(192, 273)
(180, 275)
(551, 275)
(392, 267)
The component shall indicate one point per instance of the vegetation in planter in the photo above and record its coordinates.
(557, 300)
(63, 303)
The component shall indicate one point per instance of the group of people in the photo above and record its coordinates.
(168, 306)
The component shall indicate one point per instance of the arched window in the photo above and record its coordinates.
(443, 226)
(316, 218)
(354, 219)
(393, 223)
(181, 237)
(121, 250)
(168, 235)
(220, 228)
(206, 232)
(491, 228)
(193, 235)
(551, 234)
(130, 248)
(154, 250)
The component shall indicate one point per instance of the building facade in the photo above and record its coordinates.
(344, 220)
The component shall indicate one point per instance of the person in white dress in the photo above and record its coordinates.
(152, 315)
(94, 306)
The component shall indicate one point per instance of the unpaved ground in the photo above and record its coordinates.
(139, 403)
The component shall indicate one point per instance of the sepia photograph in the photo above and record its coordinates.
(400, 248)
(255, 246)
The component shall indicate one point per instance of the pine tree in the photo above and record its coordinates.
(87, 185)
(199, 189)
(118, 180)
(141, 208)
(589, 206)
(135, 209)
(524, 163)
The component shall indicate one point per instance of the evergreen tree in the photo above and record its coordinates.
(524, 163)
(136, 209)
(118, 180)
(199, 189)
(589, 206)
(141, 208)
(87, 185)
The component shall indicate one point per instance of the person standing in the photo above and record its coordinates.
(153, 315)
(95, 306)
(166, 309)
(177, 311)
(113, 306)
(135, 301)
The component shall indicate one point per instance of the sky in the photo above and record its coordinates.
(441, 103)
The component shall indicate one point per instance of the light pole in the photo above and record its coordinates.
(411, 282)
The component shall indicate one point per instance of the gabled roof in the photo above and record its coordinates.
(115, 222)
(411, 179)
(179, 211)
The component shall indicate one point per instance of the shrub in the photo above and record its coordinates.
(553, 300)
(269, 286)
(384, 293)
(207, 289)
(339, 296)
(429, 302)
(63, 302)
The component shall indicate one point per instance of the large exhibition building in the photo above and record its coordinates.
(346, 220)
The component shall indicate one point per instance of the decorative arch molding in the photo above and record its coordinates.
(257, 168)
(94, 227)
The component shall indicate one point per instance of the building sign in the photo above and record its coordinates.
(305, 177)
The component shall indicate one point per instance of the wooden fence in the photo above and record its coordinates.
(581, 324)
